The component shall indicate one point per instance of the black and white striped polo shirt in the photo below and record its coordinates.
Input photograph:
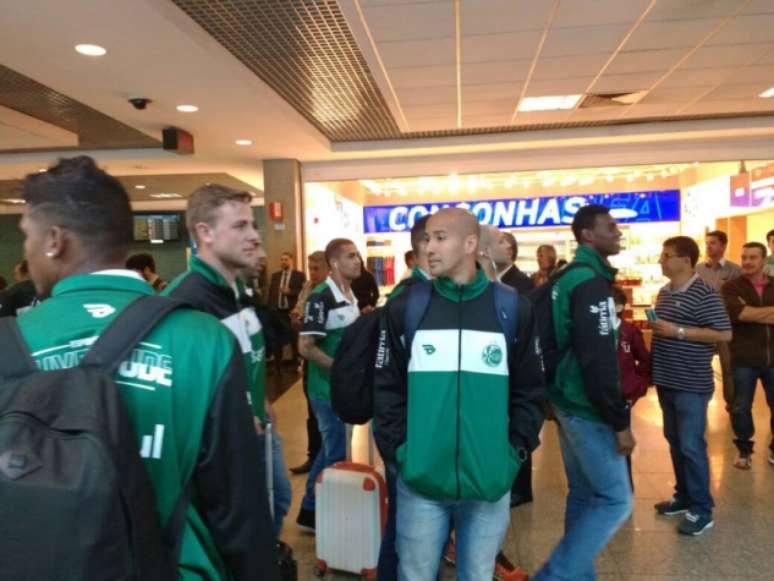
(687, 365)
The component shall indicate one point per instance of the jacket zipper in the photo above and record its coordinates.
(459, 387)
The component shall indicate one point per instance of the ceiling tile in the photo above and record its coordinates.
(408, 96)
(765, 58)
(423, 76)
(433, 124)
(760, 7)
(569, 86)
(652, 110)
(471, 121)
(598, 12)
(510, 46)
(503, 107)
(675, 34)
(625, 83)
(430, 111)
(691, 9)
(418, 53)
(729, 106)
(583, 40)
(673, 95)
(645, 60)
(494, 72)
(596, 114)
(493, 16)
(738, 91)
(754, 74)
(697, 77)
(747, 29)
(491, 92)
(410, 21)
(541, 117)
(725, 56)
(576, 65)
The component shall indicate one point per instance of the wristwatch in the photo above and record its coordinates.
(681, 333)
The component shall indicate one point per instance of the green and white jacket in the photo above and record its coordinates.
(458, 409)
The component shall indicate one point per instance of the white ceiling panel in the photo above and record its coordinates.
(491, 92)
(439, 76)
(504, 107)
(697, 77)
(418, 53)
(505, 46)
(472, 121)
(426, 96)
(569, 86)
(741, 92)
(691, 9)
(675, 34)
(645, 60)
(625, 83)
(673, 95)
(575, 65)
(410, 21)
(747, 29)
(494, 72)
(583, 40)
(598, 12)
(494, 16)
(430, 111)
(725, 56)
(433, 124)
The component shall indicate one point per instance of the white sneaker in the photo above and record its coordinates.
(744, 462)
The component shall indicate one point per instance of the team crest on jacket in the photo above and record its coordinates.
(492, 355)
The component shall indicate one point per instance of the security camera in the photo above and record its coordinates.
(139, 103)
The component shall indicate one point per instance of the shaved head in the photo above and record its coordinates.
(453, 238)
(456, 221)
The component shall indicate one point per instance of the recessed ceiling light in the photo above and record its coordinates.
(165, 195)
(139, 187)
(42, 170)
(768, 93)
(90, 49)
(187, 108)
(549, 103)
(13, 201)
(243, 142)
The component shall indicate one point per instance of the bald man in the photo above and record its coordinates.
(468, 389)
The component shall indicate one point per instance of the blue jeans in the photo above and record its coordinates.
(599, 500)
(388, 554)
(685, 421)
(745, 381)
(282, 491)
(423, 532)
(334, 445)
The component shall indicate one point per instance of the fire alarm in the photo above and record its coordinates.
(275, 211)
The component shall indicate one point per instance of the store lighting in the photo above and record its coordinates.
(586, 181)
(372, 186)
(767, 94)
(187, 108)
(630, 178)
(13, 201)
(548, 182)
(509, 183)
(525, 184)
(567, 181)
(649, 177)
(243, 142)
(664, 173)
(549, 103)
(139, 187)
(472, 183)
(165, 195)
(454, 183)
(610, 178)
(90, 50)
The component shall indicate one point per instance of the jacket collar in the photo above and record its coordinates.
(120, 280)
(449, 289)
(588, 255)
(337, 294)
(419, 274)
(196, 264)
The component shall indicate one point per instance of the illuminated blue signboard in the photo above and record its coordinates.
(627, 207)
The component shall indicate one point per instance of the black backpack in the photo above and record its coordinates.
(352, 374)
(77, 502)
(542, 302)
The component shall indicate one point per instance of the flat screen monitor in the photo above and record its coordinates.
(156, 227)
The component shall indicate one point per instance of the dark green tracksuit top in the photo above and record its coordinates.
(458, 410)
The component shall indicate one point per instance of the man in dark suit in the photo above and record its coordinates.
(504, 252)
(284, 288)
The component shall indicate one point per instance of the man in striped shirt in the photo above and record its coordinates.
(691, 319)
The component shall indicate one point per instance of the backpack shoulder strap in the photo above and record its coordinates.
(418, 298)
(507, 306)
(131, 325)
(15, 358)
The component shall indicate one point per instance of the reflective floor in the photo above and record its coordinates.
(647, 547)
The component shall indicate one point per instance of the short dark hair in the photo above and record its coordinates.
(86, 201)
(769, 235)
(140, 261)
(759, 246)
(24, 267)
(586, 218)
(287, 253)
(408, 256)
(418, 232)
(685, 247)
(334, 248)
(619, 296)
(514, 246)
(720, 235)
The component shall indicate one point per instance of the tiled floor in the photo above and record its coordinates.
(647, 547)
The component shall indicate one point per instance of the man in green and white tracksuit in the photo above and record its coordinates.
(328, 311)
(457, 410)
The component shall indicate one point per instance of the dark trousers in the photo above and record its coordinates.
(522, 486)
(745, 383)
(313, 438)
(685, 421)
(388, 553)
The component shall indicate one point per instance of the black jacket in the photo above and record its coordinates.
(296, 283)
(18, 298)
(514, 278)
